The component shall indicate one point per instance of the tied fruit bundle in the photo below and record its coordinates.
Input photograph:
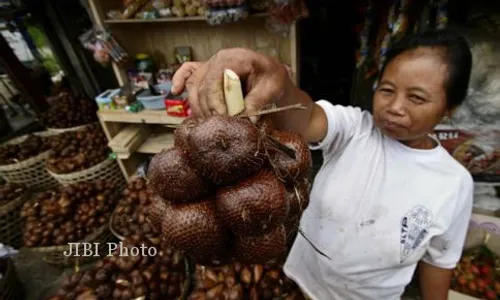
(477, 275)
(32, 146)
(226, 189)
(130, 215)
(77, 150)
(238, 281)
(69, 110)
(67, 214)
(126, 276)
(10, 191)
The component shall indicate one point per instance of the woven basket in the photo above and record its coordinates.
(10, 286)
(76, 128)
(107, 170)
(10, 221)
(54, 255)
(30, 172)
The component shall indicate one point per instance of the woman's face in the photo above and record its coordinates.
(411, 98)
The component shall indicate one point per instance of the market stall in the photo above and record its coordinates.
(128, 198)
(66, 185)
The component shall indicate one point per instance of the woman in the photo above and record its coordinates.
(388, 196)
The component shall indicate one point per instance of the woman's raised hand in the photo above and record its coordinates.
(264, 81)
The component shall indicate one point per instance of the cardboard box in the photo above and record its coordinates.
(478, 151)
(490, 223)
(478, 235)
(459, 296)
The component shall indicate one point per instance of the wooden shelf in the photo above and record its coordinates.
(157, 142)
(145, 116)
(160, 38)
(170, 19)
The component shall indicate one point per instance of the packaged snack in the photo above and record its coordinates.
(226, 15)
(223, 3)
(133, 7)
(177, 105)
(103, 45)
(285, 12)
(183, 54)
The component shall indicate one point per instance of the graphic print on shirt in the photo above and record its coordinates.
(414, 228)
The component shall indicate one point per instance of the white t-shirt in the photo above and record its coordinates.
(377, 207)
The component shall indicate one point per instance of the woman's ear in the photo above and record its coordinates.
(449, 113)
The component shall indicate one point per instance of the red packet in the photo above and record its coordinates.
(177, 107)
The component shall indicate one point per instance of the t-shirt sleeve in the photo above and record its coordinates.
(446, 250)
(344, 122)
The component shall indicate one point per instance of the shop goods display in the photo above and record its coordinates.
(238, 281)
(12, 197)
(124, 275)
(74, 151)
(224, 3)
(229, 188)
(103, 46)
(472, 132)
(477, 275)
(477, 150)
(141, 9)
(188, 8)
(22, 160)
(69, 110)
(260, 5)
(283, 13)
(78, 213)
(130, 215)
(226, 15)
(10, 286)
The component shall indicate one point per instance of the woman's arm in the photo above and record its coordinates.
(312, 122)
(434, 281)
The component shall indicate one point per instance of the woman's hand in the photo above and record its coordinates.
(263, 78)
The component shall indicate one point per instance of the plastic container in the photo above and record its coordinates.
(105, 100)
(155, 101)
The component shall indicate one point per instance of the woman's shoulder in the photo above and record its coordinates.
(455, 167)
(458, 174)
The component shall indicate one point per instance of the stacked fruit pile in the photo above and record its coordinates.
(77, 150)
(10, 191)
(66, 215)
(159, 273)
(30, 147)
(476, 275)
(70, 110)
(130, 215)
(230, 189)
(237, 281)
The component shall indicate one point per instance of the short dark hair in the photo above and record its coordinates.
(456, 54)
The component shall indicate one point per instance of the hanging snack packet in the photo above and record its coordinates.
(284, 12)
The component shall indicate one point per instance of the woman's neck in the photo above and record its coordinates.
(424, 142)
